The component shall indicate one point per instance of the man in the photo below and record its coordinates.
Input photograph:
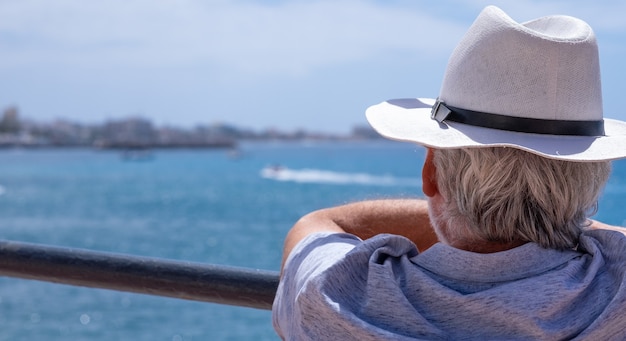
(517, 155)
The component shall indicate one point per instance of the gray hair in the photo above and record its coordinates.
(506, 194)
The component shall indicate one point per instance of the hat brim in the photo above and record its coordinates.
(409, 120)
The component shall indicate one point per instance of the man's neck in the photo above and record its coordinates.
(486, 246)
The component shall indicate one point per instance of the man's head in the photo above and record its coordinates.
(518, 147)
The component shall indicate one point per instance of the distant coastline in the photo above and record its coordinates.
(141, 133)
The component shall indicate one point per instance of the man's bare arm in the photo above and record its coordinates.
(596, 225)
(365, 219)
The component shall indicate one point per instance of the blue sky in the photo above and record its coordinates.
(315, 65)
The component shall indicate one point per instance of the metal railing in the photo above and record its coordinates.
(186, 280)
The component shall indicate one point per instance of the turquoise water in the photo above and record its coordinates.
(197, 205)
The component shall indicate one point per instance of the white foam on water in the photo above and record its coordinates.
(321, 176)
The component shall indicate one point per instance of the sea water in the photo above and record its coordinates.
(226, 207)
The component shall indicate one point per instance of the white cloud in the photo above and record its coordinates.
(292, 38)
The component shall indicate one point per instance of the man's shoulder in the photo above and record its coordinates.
(614, 234)
(611, 242)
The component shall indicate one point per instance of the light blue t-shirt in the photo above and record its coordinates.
(337, 287)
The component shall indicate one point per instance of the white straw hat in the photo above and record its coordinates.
(533, 86)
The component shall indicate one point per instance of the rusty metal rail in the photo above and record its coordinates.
(186, 280)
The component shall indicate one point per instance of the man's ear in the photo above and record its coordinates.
(429, 175)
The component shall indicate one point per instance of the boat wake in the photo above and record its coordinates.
(320, 176)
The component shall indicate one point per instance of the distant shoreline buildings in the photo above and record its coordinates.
(140, 133)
